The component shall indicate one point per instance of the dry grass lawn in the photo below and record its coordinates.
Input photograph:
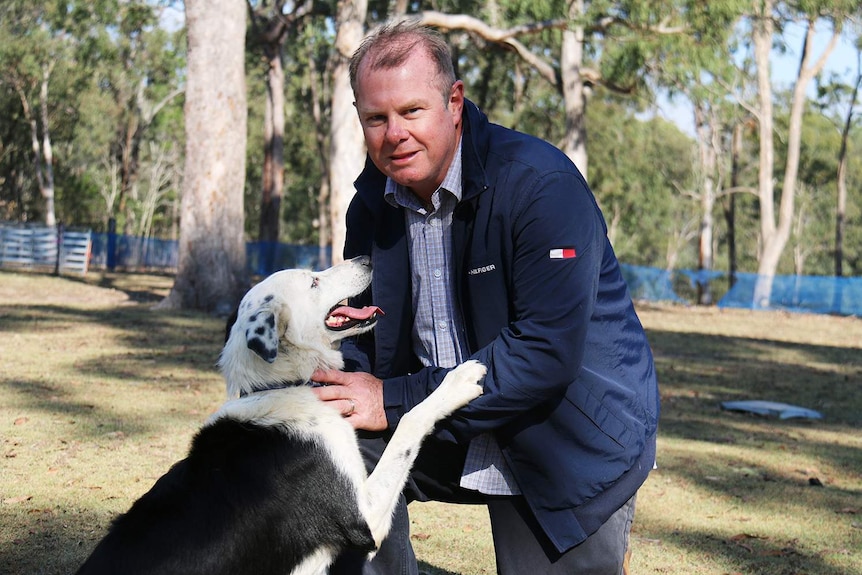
(99, 395)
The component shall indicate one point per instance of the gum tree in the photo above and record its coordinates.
(211, 272)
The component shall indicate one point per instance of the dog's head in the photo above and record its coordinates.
(290, 324)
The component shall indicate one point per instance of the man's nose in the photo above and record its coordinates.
(396, 130)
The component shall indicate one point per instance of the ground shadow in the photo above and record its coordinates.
(168, 351)
(745, 553)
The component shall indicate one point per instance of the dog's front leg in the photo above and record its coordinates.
(383, 487)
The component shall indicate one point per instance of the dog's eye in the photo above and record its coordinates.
(315, 281)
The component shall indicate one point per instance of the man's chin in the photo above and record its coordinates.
(409, 181)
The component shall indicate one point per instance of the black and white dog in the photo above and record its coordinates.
(274, 482)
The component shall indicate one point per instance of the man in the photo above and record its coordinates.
(487, 243)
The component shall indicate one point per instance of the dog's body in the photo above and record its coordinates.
(274, 482)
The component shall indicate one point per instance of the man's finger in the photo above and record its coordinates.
(329, 376)
(351, 407)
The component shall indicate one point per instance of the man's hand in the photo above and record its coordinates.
(357, 395)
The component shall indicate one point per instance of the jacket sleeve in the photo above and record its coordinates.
(554, 258)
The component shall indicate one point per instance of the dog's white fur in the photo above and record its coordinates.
(286, 314)
(288, 310)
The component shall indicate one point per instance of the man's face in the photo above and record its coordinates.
(410, 132)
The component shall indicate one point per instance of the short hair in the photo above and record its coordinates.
(390, 44)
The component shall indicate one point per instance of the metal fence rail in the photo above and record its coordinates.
(45, 248)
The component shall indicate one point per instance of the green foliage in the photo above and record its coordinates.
(636, 170)
(99, 54)
(102, 51)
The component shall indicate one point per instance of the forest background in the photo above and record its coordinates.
(94, 117)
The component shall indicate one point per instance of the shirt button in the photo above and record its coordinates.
(441, 325)
(438, 273)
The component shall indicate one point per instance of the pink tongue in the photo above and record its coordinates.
(354, 313)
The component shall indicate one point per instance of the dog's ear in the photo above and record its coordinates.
(229, 324)
(261, 335)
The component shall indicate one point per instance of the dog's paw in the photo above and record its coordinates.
(462, 383)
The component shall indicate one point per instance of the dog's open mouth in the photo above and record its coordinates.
(343, 317)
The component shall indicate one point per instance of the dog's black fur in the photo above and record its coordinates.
(248, 500)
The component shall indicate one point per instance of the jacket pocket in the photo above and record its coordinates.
(602, 416)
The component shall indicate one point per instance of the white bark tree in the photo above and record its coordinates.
(775, 230)
(211, 271)
(347, 145)
(43, 155)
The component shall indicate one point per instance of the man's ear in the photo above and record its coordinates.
(456, 102)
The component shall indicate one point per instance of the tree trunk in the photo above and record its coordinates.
(771, 248)
(730, 204)
(273, 165)
(324, 236)
(708, 132)
(212, 272)
(271, 27)
(347, 148)
(775, 236)
(128, 153)
(47, 150)
(43, 157)
(841, 207)
(574, 89)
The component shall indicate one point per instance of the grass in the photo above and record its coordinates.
(99, 395)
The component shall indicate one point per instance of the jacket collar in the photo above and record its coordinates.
(474, 151)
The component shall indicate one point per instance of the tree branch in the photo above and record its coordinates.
(504, 37)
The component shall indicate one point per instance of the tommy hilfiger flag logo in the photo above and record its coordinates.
(562, 253)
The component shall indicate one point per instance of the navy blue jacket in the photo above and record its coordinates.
(571, 392)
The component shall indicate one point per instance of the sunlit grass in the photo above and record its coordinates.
(99, 395)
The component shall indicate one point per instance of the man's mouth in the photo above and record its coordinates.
(402, 158)
(343, 317)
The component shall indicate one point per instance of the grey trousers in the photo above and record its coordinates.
(520, 545)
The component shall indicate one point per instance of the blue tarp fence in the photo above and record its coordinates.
(813, 294)
(115, 251)
(817, 294)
